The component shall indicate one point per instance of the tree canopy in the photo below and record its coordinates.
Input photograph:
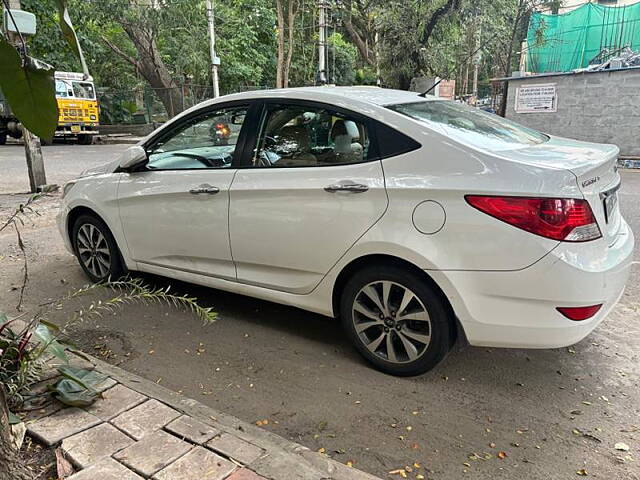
(162, 45)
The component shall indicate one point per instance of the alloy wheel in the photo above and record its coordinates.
(93, 250)
(391, 321)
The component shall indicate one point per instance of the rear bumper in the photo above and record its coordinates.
(65, 130)
(518, 308)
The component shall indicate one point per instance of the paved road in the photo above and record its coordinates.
(263, 361)
(62, 162)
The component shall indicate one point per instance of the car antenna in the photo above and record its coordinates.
(424, 94)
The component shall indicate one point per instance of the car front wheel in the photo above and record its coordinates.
(96, 249)
(396, 320)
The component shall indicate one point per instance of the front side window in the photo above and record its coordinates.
(299, 136)
(207, 141)
(471, 125)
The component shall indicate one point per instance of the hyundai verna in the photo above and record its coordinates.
(414, 220)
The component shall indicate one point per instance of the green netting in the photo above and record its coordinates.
(560, 43)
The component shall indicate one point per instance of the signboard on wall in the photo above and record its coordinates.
(540, 98)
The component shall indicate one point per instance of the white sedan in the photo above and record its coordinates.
(414, 220)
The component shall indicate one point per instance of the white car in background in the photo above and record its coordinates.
(414, 220)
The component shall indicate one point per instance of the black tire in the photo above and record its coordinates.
(84, 139)
(100, 268)
(439, 326)
(3, 138)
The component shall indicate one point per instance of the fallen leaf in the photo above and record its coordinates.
(582, 472)
(492, 445)
(621, 446)
(350, 463)
(321, 450)
(502, 455)
(400, 472)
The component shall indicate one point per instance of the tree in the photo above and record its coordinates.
(141, 20)
(358, 18)
(286, 27)
(344, 57)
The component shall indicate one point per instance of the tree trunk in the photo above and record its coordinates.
(154, 70)
(502, 110)
(287, 66)
(150, 65)
(281, 28)
(361, 45)
(11, 468)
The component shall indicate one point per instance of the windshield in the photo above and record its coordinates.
(63, 89)
(470, 125)
(84, 90)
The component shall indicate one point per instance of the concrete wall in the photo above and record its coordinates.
(602, 107)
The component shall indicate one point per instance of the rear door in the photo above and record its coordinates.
(312, 186)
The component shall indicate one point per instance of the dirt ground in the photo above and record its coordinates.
(555, 414)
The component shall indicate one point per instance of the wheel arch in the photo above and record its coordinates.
(80, 210)
(383, 259)
(75, 213)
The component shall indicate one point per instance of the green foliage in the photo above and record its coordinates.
(344, 57)
(78, 387)
(28, 86)
(67, 29)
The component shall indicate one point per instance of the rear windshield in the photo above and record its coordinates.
(470, 125)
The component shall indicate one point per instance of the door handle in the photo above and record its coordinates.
(349, 187)
(204, 188)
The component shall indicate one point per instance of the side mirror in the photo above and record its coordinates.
(132, 157)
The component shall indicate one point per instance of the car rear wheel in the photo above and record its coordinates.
(396, 320)
(96, 249)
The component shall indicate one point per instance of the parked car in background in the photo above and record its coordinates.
(414, 220)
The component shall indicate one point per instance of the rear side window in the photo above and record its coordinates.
(310, 136)
(392, 143)
(471, 125)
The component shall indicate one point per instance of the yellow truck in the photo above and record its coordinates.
(78, 111)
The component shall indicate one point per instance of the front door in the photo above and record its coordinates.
(175, 212)
(312, 189)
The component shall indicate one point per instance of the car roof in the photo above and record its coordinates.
(368, 94)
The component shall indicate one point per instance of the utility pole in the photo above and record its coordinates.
(215, 60)
(322, 42)
(32, 146)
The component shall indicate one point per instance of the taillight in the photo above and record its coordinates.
(565, 219)
(579, 313)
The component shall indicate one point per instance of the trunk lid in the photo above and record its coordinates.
(595, 168)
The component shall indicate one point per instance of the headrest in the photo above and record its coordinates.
(345, 127)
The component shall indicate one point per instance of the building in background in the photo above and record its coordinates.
(568, 5)
(585, 34)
